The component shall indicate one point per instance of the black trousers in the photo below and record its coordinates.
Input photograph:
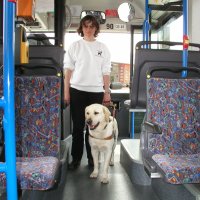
(79, 100)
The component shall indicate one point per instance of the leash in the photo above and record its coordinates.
(113, 106)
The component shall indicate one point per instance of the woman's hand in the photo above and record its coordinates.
(67, 98)
(67, 78)
(106, 99)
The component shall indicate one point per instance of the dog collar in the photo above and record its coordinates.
(107, 138)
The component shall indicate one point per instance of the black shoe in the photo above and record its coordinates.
(74, 164)
(90, 163)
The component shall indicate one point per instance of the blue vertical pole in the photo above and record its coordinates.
(185, 36)
(132, 124)
(8, 91)
(146, 26)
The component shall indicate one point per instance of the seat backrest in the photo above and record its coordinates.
(174, 104)
(43, 60)
(38, 39)
(37, 115)
(146, 59)
(48, 54)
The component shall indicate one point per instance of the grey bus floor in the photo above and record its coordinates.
(77, 185)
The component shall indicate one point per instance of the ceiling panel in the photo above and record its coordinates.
(44, 7)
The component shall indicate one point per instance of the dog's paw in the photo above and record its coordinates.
(94, 175)
(104, 179)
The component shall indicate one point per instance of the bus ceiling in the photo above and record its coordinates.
(113, 12)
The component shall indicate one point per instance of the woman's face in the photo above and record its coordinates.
(88, 29)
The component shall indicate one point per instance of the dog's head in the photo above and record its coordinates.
(96, 116)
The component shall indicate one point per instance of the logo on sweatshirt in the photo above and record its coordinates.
(99, 53)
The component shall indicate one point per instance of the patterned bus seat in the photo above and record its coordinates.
(38, 129)
(174, 105)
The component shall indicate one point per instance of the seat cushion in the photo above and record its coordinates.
(35, 173)
(179, 169)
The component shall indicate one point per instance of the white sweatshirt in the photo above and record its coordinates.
(89, 61)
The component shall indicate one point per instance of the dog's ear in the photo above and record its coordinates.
(106, 113)
(86, 110)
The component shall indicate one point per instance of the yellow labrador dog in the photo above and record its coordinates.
(103, 133)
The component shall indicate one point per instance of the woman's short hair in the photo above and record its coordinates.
(88, 18)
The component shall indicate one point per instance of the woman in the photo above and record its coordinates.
(87, 80)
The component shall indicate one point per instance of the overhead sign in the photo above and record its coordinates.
(116, 26)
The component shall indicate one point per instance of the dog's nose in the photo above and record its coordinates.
(89, 121)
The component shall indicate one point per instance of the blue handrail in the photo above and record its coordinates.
(7, 101)
(185, 36)
(146, 25)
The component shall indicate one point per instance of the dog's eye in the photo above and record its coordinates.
(96, 113)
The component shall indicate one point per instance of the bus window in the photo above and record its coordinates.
(120, 73)
(167, 33)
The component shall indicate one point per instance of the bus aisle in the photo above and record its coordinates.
(78, 186)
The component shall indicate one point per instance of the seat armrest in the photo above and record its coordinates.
(151, 169)
(127, 103)
(150, 165)
(152, 128)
